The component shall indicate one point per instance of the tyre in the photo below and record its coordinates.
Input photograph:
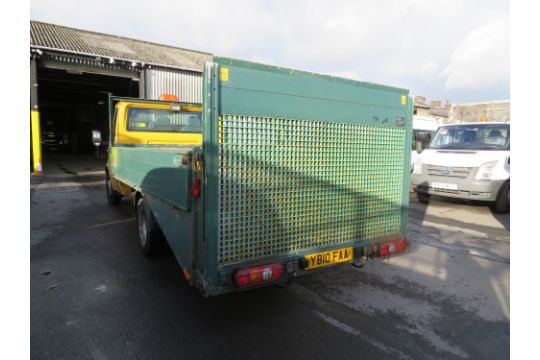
(149, 233)
(113, 196)
(423, 198)
(502, 204)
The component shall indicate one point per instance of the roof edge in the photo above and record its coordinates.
(121, 37)
(72, 52)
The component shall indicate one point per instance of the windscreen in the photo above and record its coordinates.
(472, 137)
(163, 120)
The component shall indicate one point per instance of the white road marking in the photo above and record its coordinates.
(111, 223)
(101, 288)
(334, 322)
(66, 184)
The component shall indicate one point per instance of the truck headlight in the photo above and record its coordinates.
(485, 171)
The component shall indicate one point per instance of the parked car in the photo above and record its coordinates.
(54, 138)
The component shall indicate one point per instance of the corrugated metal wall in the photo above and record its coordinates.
(187, 86)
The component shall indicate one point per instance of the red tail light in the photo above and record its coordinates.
(393, 247)
(196, 188)
(258, 275)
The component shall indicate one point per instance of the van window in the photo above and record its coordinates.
(424, 136)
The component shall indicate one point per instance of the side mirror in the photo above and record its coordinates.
(419, 147)
(96, 137)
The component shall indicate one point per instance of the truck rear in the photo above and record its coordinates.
(296, 172)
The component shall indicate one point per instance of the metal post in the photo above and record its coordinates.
(34, 119)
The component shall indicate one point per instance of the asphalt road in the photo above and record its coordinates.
(94, 296)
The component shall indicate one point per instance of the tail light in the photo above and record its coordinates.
(258, 275)
(392, 247)
(196, 188)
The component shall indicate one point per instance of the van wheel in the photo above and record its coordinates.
(149, 233)
(113, 196)
(502, 204)
(423, 198)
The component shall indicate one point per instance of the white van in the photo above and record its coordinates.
(424, 128)
(467, 161)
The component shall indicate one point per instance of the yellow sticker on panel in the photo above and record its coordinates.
(224, 74)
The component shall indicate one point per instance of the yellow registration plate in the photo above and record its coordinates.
(328, 257)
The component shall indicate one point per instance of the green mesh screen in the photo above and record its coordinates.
(289, 185)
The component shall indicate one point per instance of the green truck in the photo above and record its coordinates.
(278, 173)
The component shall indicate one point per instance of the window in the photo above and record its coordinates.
(424, 136)
(163, 120)
(473, 137)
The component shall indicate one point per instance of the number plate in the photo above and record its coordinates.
(328, 257)
(444, 186)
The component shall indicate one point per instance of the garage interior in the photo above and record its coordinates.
(72, 97)
(72, 104)
(76, 104)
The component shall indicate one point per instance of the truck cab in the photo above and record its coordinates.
(466, 161)
(147, 123)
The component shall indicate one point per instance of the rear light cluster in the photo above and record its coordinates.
(196, 188)
(258, 275)
(392, 247)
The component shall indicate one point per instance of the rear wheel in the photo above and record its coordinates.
(149, 233)
(423, 198)
(113, 196)
(502, 204)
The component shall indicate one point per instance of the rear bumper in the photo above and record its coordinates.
(294, 264)
(480, 190)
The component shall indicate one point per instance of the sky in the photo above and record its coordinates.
(452, 50)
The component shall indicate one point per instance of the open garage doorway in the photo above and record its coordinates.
(71, 105)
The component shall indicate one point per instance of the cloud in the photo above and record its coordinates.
(482, 59)
(428, 70)
(403, 43)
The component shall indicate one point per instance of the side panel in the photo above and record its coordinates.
(160, 174)
(154, 170)
(178, 226)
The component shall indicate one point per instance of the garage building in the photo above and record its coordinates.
(73, 70)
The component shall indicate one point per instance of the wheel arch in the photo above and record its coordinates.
(138, 195)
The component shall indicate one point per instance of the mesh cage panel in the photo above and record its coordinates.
(289, 185)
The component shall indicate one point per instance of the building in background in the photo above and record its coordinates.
(480, 111)
(433, 110)
(73, 70)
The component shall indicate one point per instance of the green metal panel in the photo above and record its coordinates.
(156, 170)
(287, 185)
(259, 90)
(297, 161)
(208, 242)
(178, 227)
